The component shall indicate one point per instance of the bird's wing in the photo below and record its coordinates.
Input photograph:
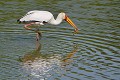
(36, 15)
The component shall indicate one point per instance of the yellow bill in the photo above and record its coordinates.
(71, 23)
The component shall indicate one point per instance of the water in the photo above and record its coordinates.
(92, 54)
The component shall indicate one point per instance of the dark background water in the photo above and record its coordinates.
(92, 54)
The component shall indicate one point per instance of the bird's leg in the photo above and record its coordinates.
(26, 26)
(38, 35)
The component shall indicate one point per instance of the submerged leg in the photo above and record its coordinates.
(38, 35)
(38, 46)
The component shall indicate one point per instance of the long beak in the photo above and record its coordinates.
(71, 23)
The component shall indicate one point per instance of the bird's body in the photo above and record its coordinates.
(37, 17)
(41, 17)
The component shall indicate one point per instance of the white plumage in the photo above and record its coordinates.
(36, 15)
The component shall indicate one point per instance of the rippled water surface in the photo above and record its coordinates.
(92, 54)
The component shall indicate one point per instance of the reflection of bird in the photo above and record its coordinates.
(41, 17)
(41, 65)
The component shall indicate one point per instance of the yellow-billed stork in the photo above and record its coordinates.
(37, 17)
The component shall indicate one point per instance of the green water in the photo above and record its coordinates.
(92, 54)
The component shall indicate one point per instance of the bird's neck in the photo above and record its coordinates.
(58, 20)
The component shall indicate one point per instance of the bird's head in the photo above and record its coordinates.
(67, 19)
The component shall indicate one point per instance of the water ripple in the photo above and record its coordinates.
(92, 54)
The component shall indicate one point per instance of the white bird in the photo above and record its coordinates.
(37, 17)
